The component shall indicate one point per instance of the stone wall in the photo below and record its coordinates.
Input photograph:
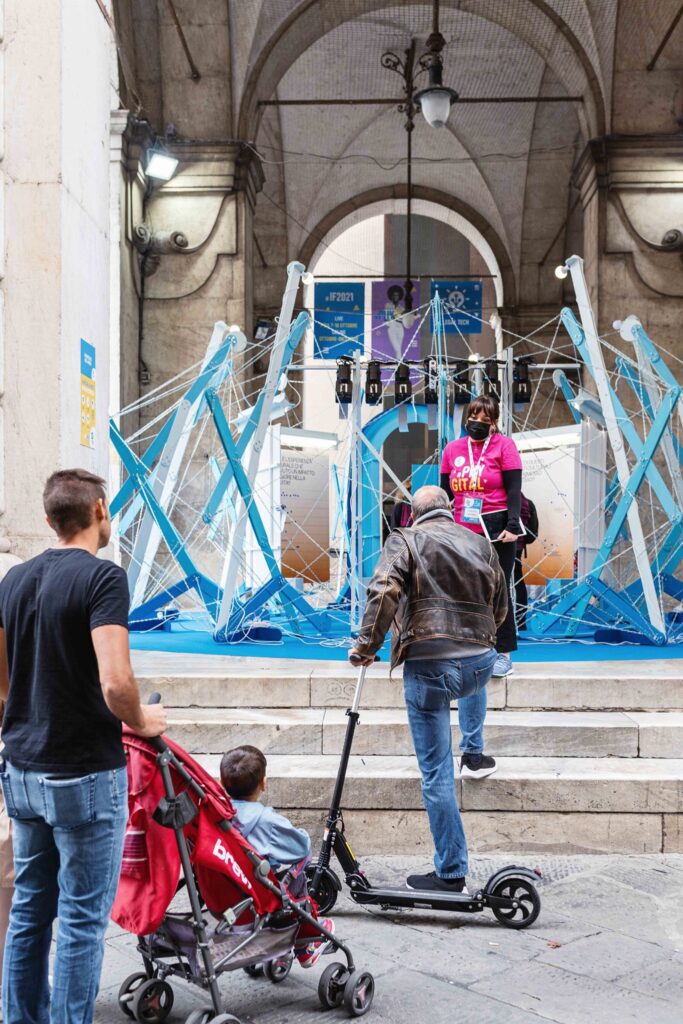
(56, 167)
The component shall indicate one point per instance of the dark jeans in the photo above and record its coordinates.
(68, 842)
(429, 687)
(506, 637)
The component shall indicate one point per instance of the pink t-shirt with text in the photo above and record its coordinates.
(501, 453)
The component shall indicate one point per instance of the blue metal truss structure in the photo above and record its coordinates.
(590, 600)
(262, 613)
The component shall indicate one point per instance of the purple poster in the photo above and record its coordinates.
(395, 333)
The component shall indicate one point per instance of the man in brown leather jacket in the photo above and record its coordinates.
(441, 590)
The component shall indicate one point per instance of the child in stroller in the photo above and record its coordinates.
(181, 836)
(286, 847)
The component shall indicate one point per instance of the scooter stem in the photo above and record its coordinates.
(359, 689)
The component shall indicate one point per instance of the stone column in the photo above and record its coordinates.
(632, 195)
(56, 277)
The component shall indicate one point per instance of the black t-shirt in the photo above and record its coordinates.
(56, 719)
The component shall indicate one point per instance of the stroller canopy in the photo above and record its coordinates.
(150, 872)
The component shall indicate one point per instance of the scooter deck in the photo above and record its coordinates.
(464, 903)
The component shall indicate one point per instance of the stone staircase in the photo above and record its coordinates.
(590, 754)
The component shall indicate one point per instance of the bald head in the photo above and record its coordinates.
(429, 499)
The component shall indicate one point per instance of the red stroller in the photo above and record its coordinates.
(180, 836)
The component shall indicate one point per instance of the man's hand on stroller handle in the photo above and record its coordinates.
(156, 719)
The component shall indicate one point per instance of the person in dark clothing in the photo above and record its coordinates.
(482, 473)
(66, 677)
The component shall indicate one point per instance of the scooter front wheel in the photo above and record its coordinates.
(527, 902)
(325, 893)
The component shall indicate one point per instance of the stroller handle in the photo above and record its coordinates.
(157, 742)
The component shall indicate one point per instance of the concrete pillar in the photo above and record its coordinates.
(55, 163)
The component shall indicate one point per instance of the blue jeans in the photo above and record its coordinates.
(429, 687)
(68, 843)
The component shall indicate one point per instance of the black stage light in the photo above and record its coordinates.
(461, 382)
(373, 383)
(431, 369)
(403, 388)
(491, 380)
(343, 387)
(521, 385)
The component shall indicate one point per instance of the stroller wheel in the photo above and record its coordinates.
(528, 901)
(277, 970)
(359, 992)
(200, 1017)
(152, 1002)
(331, 985)
(253, 970)
(128, 989)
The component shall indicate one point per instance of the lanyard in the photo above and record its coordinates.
(475, 467)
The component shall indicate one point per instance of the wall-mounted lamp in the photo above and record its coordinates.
(161, 165)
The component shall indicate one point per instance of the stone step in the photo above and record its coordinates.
(532, 805)
(392, 782)
(223, 682)
(386, 732)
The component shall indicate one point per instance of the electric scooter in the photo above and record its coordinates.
(509, 893)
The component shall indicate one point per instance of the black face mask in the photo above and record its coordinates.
(477, 430)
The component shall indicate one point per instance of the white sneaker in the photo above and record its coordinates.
(502, 666)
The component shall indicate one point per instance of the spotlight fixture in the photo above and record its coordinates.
(521, 385)
(160, 164)
(431, 370)
(343, 387)
(373, 383)
(491, 384)
(561, 272)
(461, 381)
(262, 329)
(403, 388)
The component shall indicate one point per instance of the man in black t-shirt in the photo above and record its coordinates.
(66, 676)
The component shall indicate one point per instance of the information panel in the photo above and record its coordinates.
(461, 306)
(339, 319)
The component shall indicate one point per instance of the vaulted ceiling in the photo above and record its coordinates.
(506, 164)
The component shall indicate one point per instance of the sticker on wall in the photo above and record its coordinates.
(88, 405)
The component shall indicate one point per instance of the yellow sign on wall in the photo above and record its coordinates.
(88, 396)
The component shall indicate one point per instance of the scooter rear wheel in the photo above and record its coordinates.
(524, 894)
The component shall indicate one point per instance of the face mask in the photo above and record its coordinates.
(477, 430)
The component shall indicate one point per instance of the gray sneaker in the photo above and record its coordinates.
(502, 666)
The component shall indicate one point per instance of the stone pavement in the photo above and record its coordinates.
(607, 949)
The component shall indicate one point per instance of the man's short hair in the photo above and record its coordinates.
(69, 497)
(243, 769)
(429, 499)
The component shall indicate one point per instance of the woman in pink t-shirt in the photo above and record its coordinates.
(482, 472)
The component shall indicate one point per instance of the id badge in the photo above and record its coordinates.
(471, 510)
